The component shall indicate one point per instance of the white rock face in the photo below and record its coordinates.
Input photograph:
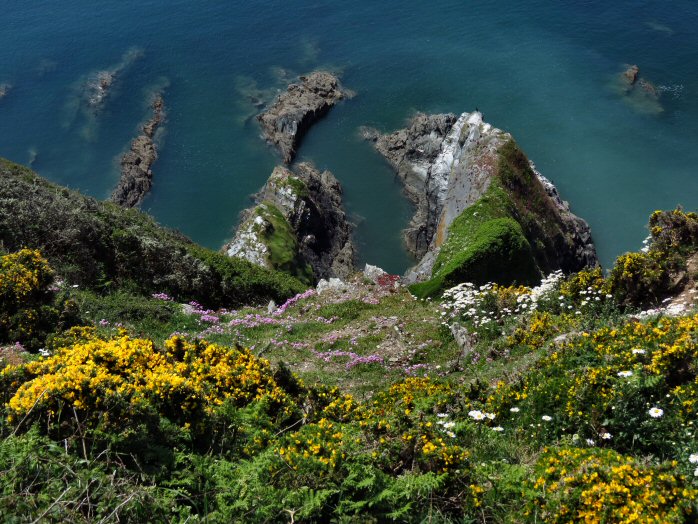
(373, 272)
(333, 284)
(448, 159)
(473, 162)
(457, 178)
(248, 242)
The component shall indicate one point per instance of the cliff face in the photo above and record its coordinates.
(450, 163)
(298, 226)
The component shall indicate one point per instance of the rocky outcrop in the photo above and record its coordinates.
(294, 111)
(297, 225)
(136, 174)
(447, 163)
(423, 156)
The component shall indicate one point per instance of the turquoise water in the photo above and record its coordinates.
(541, 70)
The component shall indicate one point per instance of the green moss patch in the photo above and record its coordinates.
(283, 244)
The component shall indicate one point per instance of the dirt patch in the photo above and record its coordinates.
(688, 296)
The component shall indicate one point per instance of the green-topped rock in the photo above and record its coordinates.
(297, 226)
(482, 211)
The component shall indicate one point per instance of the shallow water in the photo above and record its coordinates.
(543, 71)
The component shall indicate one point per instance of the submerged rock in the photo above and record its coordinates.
(98, 86)
(447, 164)
(136, 174)
(294, 111)
(638, 92)
(629, 77)
(298, 226)
(4, 89)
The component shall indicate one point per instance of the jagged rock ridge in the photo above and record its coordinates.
(295, 110)
(136, 173)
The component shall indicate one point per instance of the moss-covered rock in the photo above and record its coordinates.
(514, 233)
(298, 226)
(470, 183)
(484, 245)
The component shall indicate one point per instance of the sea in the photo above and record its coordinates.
(546, 71)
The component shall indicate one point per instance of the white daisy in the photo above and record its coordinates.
(656, 412)
(477, 415)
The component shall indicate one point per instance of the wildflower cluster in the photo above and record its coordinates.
(317, 448)
(353, 359)
(594, 485)
(408, 421)
(638, 380)
(491, 306)
(486, 304)
(293, 300)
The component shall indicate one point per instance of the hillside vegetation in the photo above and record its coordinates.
(570, 401)
(103, 247)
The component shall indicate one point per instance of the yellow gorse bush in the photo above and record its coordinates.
(665, 349)
(594, 486)
(119, 375)
(25, 298)
(23, 273)
(632, 387)
(319, 446)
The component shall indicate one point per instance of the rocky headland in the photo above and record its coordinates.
(480, 205)
(288, 118)
(136, 173)
(297, 225)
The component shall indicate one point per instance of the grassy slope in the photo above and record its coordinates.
(562, 392)
(403, 331)
(101, 246)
